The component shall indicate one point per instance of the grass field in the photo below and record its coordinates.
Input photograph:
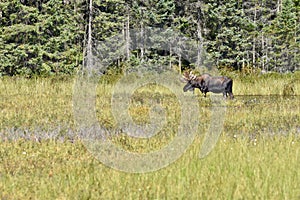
(256, 156)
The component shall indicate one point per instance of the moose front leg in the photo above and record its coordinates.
(193, 90)
(204, 89)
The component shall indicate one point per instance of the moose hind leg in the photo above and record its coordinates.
(229, 89)
(231, 95)
(230, 92)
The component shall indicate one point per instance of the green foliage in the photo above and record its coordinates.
(40, 39)
(285, 34)
(49, 37)
(229, 37)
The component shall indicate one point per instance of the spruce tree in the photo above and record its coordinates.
(39, 37)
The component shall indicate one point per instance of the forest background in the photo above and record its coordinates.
(48, 37)
(257, 153)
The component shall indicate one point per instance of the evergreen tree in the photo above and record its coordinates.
(228, 33)
(108, 23)
(147, 17)
(284, 33)
(47, 37)
(260, 13)
(41, 37)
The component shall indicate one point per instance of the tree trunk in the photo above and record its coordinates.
(263, 50)
(127, 38)
(170, 58)
(142, 42)
(254, 47)
(179, 62)
(89, 43)
(200, 43)
(279, 6)
(142, 36)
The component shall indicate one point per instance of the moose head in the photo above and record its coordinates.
(192, 81)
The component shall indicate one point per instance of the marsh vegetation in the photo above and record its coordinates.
(256, 156)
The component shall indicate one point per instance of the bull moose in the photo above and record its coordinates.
(207, 83)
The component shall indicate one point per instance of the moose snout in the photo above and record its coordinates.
(188, 87)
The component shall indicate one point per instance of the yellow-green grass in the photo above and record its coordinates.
(47, 102)
(256, 156)
(32, 103)
(268, 84)
(236, 169)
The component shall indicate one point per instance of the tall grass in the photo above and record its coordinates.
(236, 169)
(256, 157)
(268, 84)
(47, 102)
(36, 103)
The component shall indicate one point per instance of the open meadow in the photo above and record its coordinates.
(257, 155)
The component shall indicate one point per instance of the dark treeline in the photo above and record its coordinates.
(45, 37)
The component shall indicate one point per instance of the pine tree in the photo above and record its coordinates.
(260, 14)
(39, 37)
(153, 49)
(228, 33)
(284, 34)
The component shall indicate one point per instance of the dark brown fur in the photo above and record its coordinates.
(207, 83)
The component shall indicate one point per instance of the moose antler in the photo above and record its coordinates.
(188, 76)
(192, 76)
